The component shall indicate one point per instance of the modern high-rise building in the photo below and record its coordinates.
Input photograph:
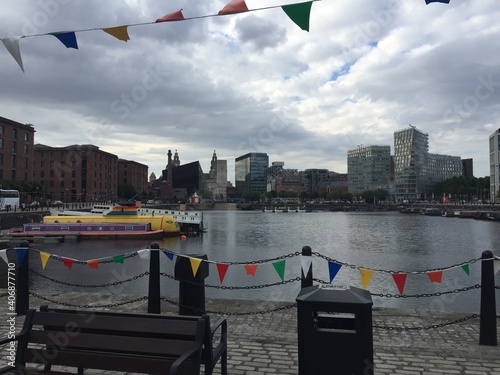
(415, 169)
(494, 166)
(369, 168)
(251, 172)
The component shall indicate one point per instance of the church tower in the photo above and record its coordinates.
(177, 162)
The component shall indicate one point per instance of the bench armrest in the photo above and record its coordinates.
(194, 351)
(219, 325)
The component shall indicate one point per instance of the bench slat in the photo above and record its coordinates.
(125, 344)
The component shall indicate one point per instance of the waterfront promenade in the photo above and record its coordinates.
(265, 342)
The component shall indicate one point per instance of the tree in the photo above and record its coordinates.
(126, 191)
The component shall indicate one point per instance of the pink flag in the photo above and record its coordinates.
(235, 6)
(174, 16)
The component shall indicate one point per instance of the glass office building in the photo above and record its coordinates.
(251, 173)
(369, 168)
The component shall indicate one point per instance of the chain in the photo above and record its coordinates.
(391, 271)
(425, 295)
(90, 286)
(116, 304)
(261, 261)
(433, 326)
(84, 262)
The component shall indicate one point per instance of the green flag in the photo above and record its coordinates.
(299, 13)
(465, 267)
(280, 268)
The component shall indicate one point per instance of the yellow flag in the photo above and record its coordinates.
(44, 257)
(366, 276)
(119, 32)
(195, 264)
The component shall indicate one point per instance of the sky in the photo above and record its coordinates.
(255, 81)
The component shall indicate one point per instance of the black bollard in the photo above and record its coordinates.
(306, 280)
(22, 282)
(488, 320)
(154, 280)
(191, 287)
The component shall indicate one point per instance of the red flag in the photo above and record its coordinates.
(235, 6)
(222, 269)
(174, 16)
(435, 276)
(68, 262)
(400, 280)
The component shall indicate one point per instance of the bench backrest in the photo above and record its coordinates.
(145, 343)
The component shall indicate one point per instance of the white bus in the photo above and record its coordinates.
(9, 199)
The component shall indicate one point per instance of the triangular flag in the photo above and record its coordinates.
(427, 2)
(400, 280)
(279, 266)
(235, 6)
(68, 262)
(195, 264)
(21, 252)
(465, 267)
(12, 45)
(333, 269)
(169, 254)
(93, 263)
(3, 255)
(144, 254)
(44, 257)
(435, 276)
(299, 13)
(496, 265)
(222, 269)
(119, 258)
(251, 269)
(366, 276)
(174, 16)
(119, 32)
(68, 39)
(305, 262)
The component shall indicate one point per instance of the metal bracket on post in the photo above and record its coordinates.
(488, 319)
(154, 280)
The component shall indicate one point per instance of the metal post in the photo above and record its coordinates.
(488, 320)
(306, 280)
(22, 281)
(191, 286)
(154, 280)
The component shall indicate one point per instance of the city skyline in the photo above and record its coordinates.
(254, 81)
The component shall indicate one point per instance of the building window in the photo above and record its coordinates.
(1, 129)
(1, 143)
(26, 137)
(14, 133)
(25, 149)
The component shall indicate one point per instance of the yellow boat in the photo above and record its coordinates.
(122, 214)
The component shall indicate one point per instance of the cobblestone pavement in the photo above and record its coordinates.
(266, 343)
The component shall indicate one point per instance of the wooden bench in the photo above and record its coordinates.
(114, 341)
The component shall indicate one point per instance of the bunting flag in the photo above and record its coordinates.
(235, 6)
(299, 13)
(174, 16)
(195, 264)
(222, 269)
(333, 269)
(144, 254)
(94, 263)
(119, 32)
(279, 266)
(435, 276)
(119, 258)
(3, 255)
(68, 39)
(466, 269)
(400, 280)
(21, 252)
(168, 254)
(44, 257)
(305, 263)
(12, 45)
(366, 276)
(68, 262)
(251, 269)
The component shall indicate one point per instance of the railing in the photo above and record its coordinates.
(191, 273)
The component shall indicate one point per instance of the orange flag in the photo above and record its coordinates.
(251, 269)
(174, 16)
(400, 280)
(94, 263)
(222, 269)
(435, 276)
(235, 6)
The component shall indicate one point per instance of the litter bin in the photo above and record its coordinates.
(191, 287)
(335, 330)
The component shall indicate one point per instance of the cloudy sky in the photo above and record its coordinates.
(254, 81)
